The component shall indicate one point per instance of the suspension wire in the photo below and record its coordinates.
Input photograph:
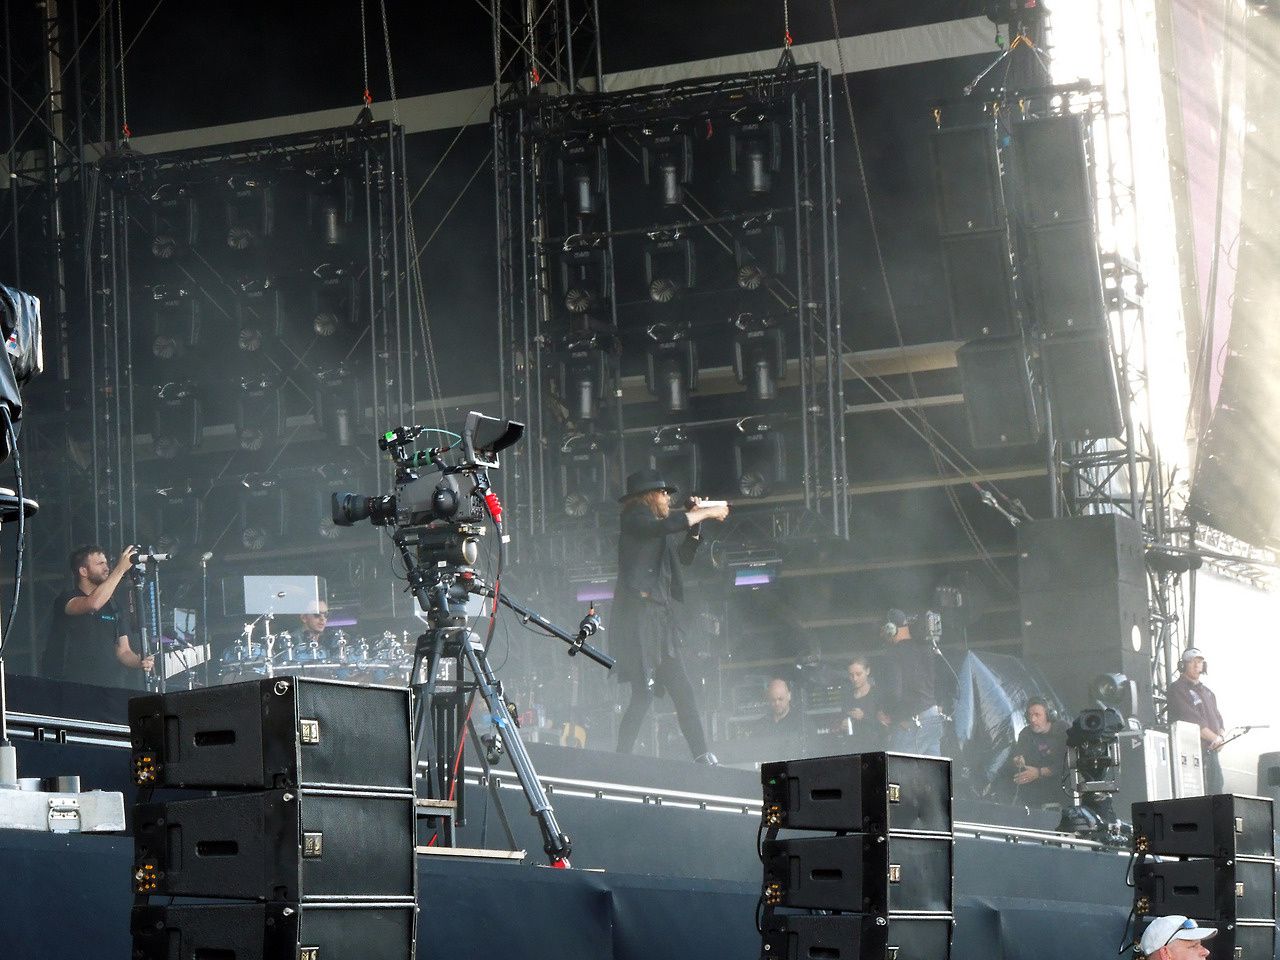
(364, 56)
(124, 100)
(786, 24)
(966, 525)
(391, 72)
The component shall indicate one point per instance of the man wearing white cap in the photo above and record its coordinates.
(1192, 701)
(1175, 938)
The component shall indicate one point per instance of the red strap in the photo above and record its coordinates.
(535, 77)
(368, 97)
(787, 38)
(126, 131)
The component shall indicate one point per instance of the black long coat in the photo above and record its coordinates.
(643, 621)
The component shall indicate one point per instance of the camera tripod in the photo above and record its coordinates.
(442, 594)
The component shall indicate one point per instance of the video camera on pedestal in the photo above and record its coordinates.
(1093, 766)
(437, 528)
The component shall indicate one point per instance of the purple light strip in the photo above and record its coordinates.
(595, 591)
(744, 579)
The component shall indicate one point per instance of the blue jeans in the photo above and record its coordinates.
(925, 739)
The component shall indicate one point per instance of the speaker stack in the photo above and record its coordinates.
(1216, 864)
(302, 830)
(865, 870)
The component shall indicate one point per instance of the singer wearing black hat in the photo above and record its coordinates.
(646, 634)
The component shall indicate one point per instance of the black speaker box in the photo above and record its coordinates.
(1080, 553)
(967, 179)
(274, 733)
(1223, 825)
(277, 845)
(865, 792)
(274, 931)
(1066, 277)
(1223, 888)
(1052, 170)
(979, 285)
(856, 937)
(1084, 394)
(1240, 941)
(999, 402)
(860, 873)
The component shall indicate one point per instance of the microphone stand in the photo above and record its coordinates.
(137, 576)
(204, 613)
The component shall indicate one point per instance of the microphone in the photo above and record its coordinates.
(587, 626)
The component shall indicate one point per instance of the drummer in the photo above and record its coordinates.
(315, 629)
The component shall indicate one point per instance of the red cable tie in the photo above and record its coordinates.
(534, 77)
(368, 97)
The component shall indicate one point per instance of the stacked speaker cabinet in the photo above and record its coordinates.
(303, 824)
(1082, 588)
(1060, 256)
(1211, 859)
(865, 870)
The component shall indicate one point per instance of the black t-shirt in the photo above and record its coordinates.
(83, 648)
(1044, 751)
(867, 733)
(907, 687)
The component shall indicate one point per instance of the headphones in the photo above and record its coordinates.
(1050, 711)
(894, 620)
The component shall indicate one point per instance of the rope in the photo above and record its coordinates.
(391, 70)
(364, 55)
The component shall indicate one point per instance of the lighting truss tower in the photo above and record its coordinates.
(550, 46)
(545, 145)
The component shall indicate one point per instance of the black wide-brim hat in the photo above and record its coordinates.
(642, 481)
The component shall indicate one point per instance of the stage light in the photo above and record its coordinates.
(251, 211)
(672, 371)
(176, 422)
(674, 455)
(666, 157)
(669, 264)
(330, 206)
(176, 518)
(334, 304)
(587, 367)
(759, 251)
(584, 475)
(581, 174)
(1116, 690)
(175, 221)
(262, 513)
(175, 321)
(584, 277)
(759, 354)
(759, 457)
(755, 149)
(259, 313)
(259, 413)
(338, 410)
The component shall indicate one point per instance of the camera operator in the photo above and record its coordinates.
(1192, 701)
(646, 631)
(1038, 757)
(910, 705)
(88, 634)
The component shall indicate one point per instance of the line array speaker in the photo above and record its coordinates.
(267, 931)
(1084, 393)
(1223, 825)
(1224, 888)
(867, 792)
(275, 733)
(277, 845)
(999, 401)
(797, 937)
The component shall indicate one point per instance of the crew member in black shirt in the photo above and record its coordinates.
(1038, 756)
(861, 704)
(88, 634)
(1191, 700)
(647, 634)
(910, 705)
(783, 718)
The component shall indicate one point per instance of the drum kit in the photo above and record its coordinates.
(387, 660)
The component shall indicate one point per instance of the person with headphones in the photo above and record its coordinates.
(909, 705)
(1038, 756)
(1192, 701)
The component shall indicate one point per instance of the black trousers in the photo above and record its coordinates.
(670, 675)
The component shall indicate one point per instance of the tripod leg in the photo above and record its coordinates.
(422, 703)
(554, 842)
(493, 786)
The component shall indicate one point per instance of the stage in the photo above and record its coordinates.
(664, 857)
